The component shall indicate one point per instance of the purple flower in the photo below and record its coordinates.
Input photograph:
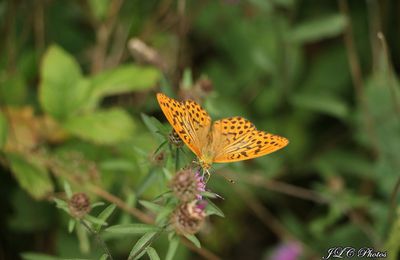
(287, 251)
(187, 185)
(201, 185)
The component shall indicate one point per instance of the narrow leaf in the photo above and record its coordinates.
(163, 214)
(152, 253)
(131, 229)
(67, 189)
(104, 257)
(95, 220)
(209, 194)
(155, 127)
(151, 206)
(194, 240)
(212, 209)
(105, 214)
(324, 27)
(71, 225)
(37, 256)
(172, 247)
(141, 244)
(97, 204)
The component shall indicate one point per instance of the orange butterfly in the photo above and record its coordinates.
(227, 140)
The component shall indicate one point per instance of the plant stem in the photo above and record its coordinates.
(57, 170)
(177, 159)
(100, 241)
(356, 75)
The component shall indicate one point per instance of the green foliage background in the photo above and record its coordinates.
(316, 72)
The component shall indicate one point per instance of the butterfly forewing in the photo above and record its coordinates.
(236, 139)
(189, 120)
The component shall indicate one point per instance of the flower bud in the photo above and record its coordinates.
(188, 218)
(159, 158)
(205, 85)
(79, 205)
(175, 139)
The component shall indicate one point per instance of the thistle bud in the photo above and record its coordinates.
(174, 139)
(187, 185)
(205, 85)
(188, 218)
(159, 158)
(79, 205)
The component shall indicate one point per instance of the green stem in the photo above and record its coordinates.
(177, 159)
(100, 241)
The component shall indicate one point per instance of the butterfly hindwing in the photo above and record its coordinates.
(189, 120)
(236, 139)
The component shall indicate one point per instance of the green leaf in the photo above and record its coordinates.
(67, 189)
(194, 240)
(155, 127)
(37, 256)
(172, 247)
(82, 234)
(3, 130)
(61, 204)
(105, 214)
(209, 194)
(212, 209)
(102, 127)
(163, 214)
(152, 253)
(104, 257)
(187, 81)
(97, 204)
(95, 220)
(141, 244)
(123, 79)
(33, 178)
(132, 229)
(321, 103)
(71, 225)
(151, 206)
(317, 29)
(63, 89)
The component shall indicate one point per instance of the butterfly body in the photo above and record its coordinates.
(226, 140)
(206, 159)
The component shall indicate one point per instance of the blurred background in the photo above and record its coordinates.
(77, 78)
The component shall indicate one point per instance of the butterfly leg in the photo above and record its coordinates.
(206, 175)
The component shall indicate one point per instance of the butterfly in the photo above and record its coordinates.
(227, 140)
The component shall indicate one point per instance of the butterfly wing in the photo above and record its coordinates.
(236, 139)
(189, 120)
